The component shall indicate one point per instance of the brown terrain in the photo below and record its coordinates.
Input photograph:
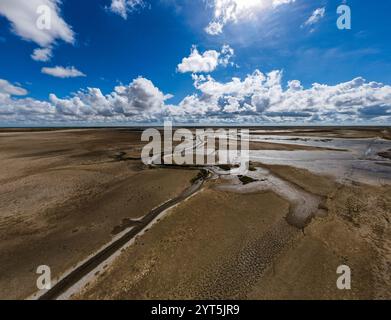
(63, 195)
(66, 193)
(220, 245)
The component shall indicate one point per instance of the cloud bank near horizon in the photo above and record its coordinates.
(258, 98)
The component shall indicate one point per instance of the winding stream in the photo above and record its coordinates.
(64, 287)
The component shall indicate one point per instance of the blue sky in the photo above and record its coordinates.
(143, 47)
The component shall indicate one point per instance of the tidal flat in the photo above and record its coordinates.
(315, 199)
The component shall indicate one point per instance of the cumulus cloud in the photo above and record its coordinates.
(63, 72)
(139, 99)
(42, 55)
(26, 109)
(207, 61)
(233, 11)
(315, 17)
(15, 108)
(124, 7)
(264, 96)
(258, 98)
(23, 16)
(9, 89)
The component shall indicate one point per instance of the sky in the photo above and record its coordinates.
(140, 62)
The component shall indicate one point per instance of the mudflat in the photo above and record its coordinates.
(63, 195)
(279, 233)
(196, 250)
(227, 245)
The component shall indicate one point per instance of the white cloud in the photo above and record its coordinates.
(20, 109)
(233, 11)
(43, 55)
(263, 96)
(61, 72)
(9, 89)
(315, 16)
(225, 55)
(257, 98)
(207, 61)
(23, 17)
(214, 28)
(138, 99)
(124, 7)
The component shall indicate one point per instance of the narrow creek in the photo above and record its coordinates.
(90, 266)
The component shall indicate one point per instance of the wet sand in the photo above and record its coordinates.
(239, 245)
(183, 255)
(355, 232)
(63, 195)
(66, 193)
(330, 132)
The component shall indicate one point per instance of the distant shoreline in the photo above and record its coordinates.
(55, 128)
